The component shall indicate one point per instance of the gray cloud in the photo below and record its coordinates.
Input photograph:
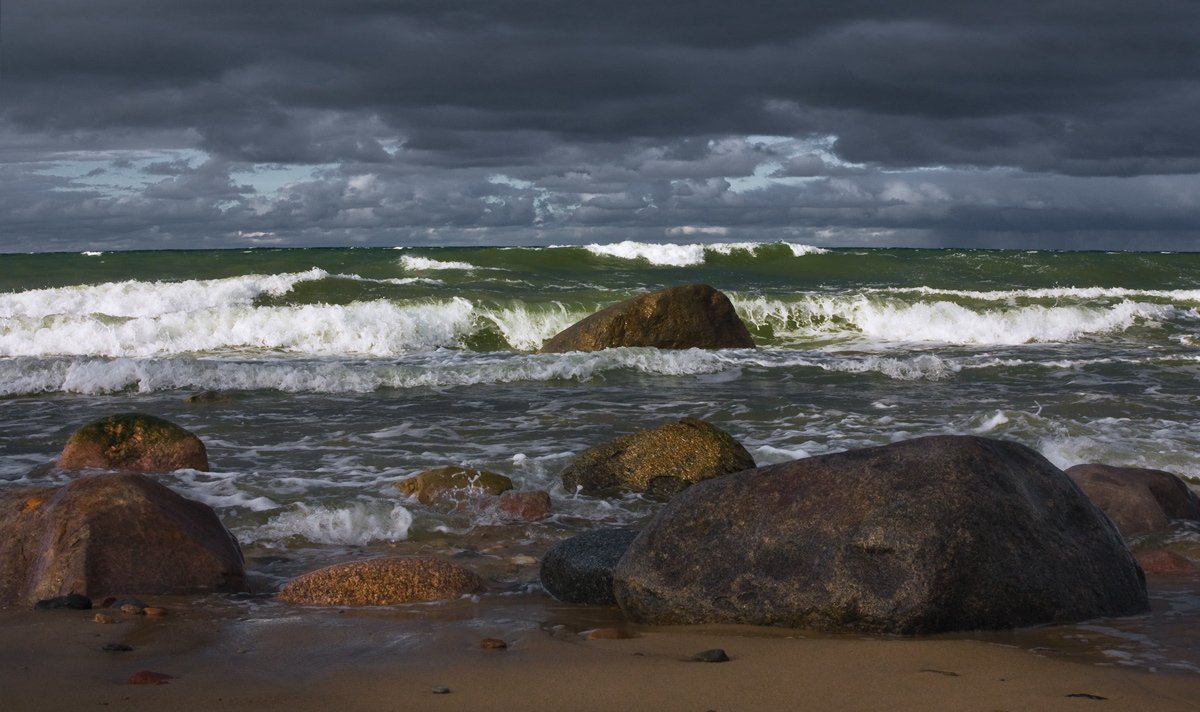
(908, 123)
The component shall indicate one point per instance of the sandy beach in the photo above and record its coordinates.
(258, 655)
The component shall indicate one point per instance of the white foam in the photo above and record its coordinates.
(526, 329)
(148, 299)
(414, 263)
(357, 524)
(817, 316)
(1081, 294)
(672, 255)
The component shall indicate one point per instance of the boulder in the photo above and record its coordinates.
(448, 483)
(693, 316)
(112, 534)
(661, 461)
(1164, 562)
(133, 442)
(1137, 500)
(933, 534)
(383, 581)
(580, 569)
(529, 506)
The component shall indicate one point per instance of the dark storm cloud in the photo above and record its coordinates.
(610, 118)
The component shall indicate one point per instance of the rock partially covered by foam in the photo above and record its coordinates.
(383, 581)
(933, 534)
(692, 316)
(1137, 500)
(112, 534)
(453, 482)
(661, 460)
(133, 442)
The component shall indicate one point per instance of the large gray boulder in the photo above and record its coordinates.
(111, 535)
(660, 461)
(1137, 500)
(692, 316)
(933, 534)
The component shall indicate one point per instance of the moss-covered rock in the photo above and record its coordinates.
(385, 581)
(660, 461)
(692, 316)
(444, 483)
(133, 442)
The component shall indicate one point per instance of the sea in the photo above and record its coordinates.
(332, 374)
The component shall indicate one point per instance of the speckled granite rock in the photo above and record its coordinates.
(691, 316)
(383, 581)
(133, 442)
(447, 482)
(661, 461)
(579, 569)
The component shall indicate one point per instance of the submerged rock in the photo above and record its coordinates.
(527, 506)
(384, 581)
(134, 442)
(692, 316)
(448, 482)
(660, 461)
(580, 569)
(1137, 500)
(933, 534)
(111, 535)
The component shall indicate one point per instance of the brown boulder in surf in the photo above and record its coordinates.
(933, 534)
(133, 442)
(1137, 500)
(112, 535)
(383, 581)
(694, 316)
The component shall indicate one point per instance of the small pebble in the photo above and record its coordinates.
(441, 690)
(123, 600)
(493, 644)
(117, 648)
(130, 609)
(148, 677)
(523, 560)
(104, 618)
(155, 611)
(716, 655)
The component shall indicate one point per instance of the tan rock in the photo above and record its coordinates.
(1165, 562)
(384, 581)
(444, 483)
(133, 442)
(691, 316)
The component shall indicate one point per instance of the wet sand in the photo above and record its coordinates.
(259, 655)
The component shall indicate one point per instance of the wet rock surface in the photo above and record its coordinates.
(133, 442)
(932, 534)
(382, 581)
(579, 569)
(1137, 500)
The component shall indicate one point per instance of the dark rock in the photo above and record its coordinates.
(122, 601)
(716, 655)
(209, 398)
(112, 534)
(493, 644)
(933, 534)
(383, 581)
(529, 506)
(148, 677)
(71, 600)
(1137, 500)
(691, 316)
(449, 483)
(441, 690)
(660, 461)
(579, 569)
(133, 442)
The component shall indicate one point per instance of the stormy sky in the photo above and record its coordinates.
(1064, 124)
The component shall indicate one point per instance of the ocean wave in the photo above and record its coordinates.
(133, 299)
(357, 524)
(1051, 293)
(414, 263)
(816, 316)
(688, 255)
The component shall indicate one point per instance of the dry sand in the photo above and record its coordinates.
(294, 660)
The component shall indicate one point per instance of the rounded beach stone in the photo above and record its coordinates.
(691, 316)
(384, 581)
(1164, 562)
(113, 534)
(148, 677)
(134, 442)
(528, 506)
(580, 569)
(1137, 500)
(932, 534)
(661, 460)
(431, 485)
